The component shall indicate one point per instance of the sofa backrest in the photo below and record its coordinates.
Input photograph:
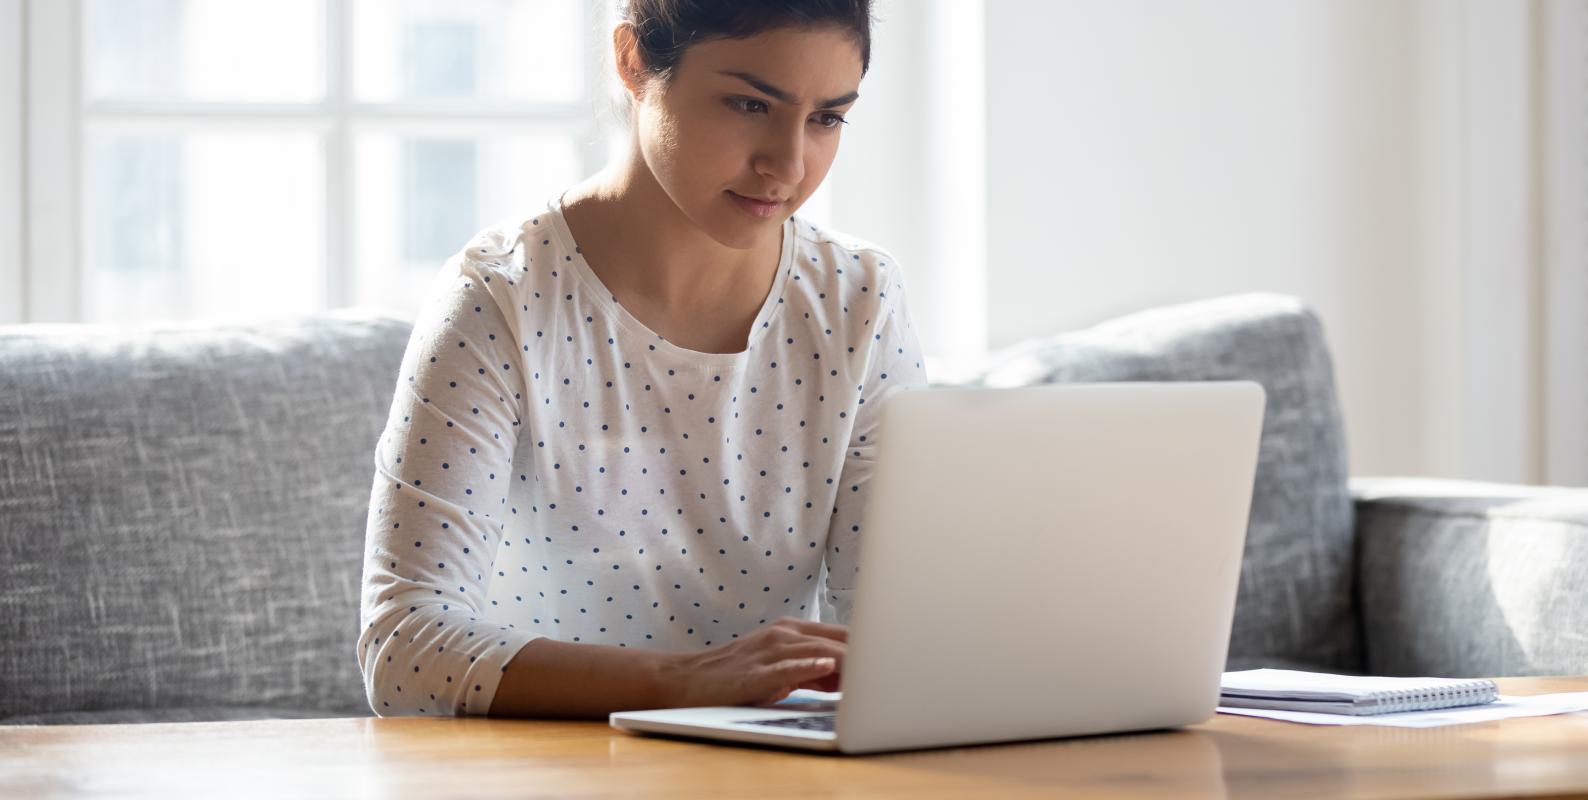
(1295, 605)
(182, 507)
(182, 511)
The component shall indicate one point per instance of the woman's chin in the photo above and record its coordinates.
(742, 233)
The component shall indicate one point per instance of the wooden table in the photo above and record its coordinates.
(429, 757)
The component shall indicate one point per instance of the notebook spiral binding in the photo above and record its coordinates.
(1395, 700)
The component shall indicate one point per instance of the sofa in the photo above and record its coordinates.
(182, 512)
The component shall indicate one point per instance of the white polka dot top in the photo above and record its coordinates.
(552, 467)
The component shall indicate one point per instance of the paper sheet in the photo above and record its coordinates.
(1504, 708)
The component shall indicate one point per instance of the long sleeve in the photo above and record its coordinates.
(442, 471)
(896, 365)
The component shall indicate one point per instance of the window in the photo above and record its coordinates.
(218, 159)
(244, 158)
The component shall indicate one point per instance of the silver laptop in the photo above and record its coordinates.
(1038, 562)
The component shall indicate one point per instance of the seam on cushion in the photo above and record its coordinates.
(1404, 507)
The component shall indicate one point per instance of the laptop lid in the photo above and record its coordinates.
(1048, 561)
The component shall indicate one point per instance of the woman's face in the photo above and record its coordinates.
(750, 118)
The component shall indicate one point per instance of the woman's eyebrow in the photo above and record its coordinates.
(783, 96)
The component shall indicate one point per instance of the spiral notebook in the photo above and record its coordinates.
(1323, 692)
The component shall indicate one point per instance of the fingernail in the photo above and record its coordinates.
(825, 663)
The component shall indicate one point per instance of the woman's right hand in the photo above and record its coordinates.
(759, 668)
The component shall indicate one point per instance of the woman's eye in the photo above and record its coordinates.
(752, 106)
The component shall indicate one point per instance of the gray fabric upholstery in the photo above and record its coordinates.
(182, 512)
(1295, 603)
(129, 716)
(1472, 579)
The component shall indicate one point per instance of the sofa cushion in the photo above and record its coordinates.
(131, 716)
(1294, 607)
(1469, 579)
(182, 511)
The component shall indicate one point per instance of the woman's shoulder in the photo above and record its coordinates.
(506, 237)
(850, 263)
(828, 237)
(512, 246)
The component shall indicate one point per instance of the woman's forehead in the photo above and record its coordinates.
(809, 65)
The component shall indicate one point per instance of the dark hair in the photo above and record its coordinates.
(668, 28)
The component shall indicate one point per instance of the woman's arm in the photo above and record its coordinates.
(443, 465)
(551, 678)
(895, 365)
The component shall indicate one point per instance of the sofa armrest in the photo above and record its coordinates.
(1464, 579)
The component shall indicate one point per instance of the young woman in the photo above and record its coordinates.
(629, 429)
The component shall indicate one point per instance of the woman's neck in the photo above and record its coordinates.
(637, 241)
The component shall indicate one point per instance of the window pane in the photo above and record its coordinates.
(508, 51)
(203, 225)
(418, 199)
(213, 50)
(438, 197)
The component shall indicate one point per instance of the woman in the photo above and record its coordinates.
(629, 429)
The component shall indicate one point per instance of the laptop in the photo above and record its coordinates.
(1037, 562)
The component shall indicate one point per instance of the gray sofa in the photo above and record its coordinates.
(182, 514)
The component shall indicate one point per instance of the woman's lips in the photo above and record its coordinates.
(757, 208)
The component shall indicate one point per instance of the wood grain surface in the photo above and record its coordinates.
(1227, 756)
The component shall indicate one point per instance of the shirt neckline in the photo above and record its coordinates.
(656, 341)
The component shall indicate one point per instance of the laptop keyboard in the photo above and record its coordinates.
(814, 722)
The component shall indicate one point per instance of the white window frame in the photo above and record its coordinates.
(12, 143)
(50, 266)
(41, 247)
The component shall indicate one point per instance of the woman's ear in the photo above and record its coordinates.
(626, 56)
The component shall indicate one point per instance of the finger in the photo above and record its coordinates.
(823, 629)
(796, 671)
(826, 683)
(775, 697)
(815, 647)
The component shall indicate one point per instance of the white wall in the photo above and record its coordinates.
(1145, 153)
(1378, 160)
(911, 172)
(1565, 142)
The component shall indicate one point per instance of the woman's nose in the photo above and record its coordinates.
(781, 156)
